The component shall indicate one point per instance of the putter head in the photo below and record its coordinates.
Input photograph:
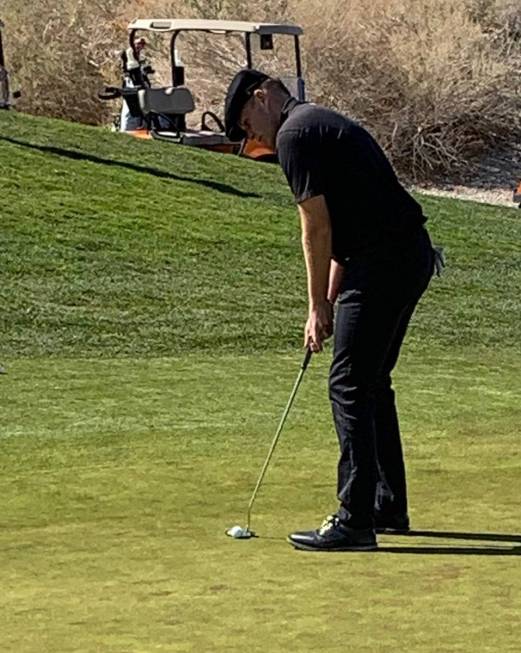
(240, 533)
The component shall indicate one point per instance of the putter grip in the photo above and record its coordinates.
(307, 358)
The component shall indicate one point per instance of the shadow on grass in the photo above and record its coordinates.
(457, 535)
(448, 549)
(453, 550)
(92, 158)
(458, 550)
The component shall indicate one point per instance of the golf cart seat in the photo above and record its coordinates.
(166, 100)
(171, 102)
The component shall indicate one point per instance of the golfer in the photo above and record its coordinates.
(367, 251)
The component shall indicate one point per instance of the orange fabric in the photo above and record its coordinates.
(254, 149)
(140, 133)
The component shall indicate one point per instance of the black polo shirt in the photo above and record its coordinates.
(324, 153)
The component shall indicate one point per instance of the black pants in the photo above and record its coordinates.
(376, 301)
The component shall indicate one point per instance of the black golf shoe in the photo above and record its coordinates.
(332, 535)
(391, 524)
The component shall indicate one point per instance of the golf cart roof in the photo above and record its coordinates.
(215, 26)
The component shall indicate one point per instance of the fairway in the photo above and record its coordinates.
(151, 322)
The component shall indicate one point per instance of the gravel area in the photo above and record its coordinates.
(492, 180)
(497, 196)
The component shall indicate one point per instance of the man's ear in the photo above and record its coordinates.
(259, 94)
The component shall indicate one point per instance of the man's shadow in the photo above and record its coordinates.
(77, 155)
(491, 550)
(421, 549)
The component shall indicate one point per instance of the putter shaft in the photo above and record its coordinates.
(303, 367)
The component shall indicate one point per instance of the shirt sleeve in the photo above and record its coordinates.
(299, 155)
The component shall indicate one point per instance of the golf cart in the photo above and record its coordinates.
(5, 94)
(163, 109)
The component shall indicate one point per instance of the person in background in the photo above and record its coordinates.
(136, 74)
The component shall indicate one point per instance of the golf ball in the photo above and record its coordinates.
(235, 531)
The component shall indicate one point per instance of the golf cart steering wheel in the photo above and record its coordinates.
(110, 93)
(216, 119)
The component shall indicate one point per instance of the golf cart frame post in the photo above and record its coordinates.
(2, 60)
(4, 77)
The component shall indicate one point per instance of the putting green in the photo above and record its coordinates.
(120, 477)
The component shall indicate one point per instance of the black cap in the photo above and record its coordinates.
(240, 90)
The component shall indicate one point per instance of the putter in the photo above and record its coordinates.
(238, 532)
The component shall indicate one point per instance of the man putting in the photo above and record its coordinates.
(366, 249)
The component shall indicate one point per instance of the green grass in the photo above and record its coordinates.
(151, 329)
(101, 259)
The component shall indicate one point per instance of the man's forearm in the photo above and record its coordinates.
(316, 244)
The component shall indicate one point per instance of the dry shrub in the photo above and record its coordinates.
(60, 54)
(434, 80)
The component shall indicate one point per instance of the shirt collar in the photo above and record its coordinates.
(287, 108)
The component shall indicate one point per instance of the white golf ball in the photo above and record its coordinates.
(235, 531)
